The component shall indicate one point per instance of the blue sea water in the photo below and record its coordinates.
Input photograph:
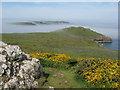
(113, 45)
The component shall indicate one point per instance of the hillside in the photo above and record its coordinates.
(47, 70)
(70, 58)
(73, 41)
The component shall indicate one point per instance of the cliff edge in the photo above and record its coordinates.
(103, 39)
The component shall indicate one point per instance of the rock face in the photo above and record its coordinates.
(17, 69)
(103, 39)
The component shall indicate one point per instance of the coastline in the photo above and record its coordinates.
(56, 28)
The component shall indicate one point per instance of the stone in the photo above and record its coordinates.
(18, 69)
(3, 58)
(4, 66)
(35, 83)
(50, 88)
(1, 71)
(20, 57)
(2, 44)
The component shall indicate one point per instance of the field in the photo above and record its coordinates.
(70, 58)
(73, 41)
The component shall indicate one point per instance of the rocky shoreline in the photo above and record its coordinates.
(103, 39)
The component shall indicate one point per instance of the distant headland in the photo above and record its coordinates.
(40, 22)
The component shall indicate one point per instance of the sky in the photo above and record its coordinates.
(86, 12)
(94, 12)
(66, 9)
(99, 14)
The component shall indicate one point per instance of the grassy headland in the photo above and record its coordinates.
(73, 41)
(70, 58)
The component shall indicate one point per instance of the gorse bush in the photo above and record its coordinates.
(84, 63)
(51, 57)
(72, 62)
(102, 73)
(52, 60)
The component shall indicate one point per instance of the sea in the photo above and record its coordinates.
(108, 30)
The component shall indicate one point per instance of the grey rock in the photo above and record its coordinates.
(20, 57)
(2, 44)
(1, 71)
(2, 58)
(50, 88)
(17, 69)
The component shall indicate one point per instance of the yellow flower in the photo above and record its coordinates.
(115, 84)
(103, 86)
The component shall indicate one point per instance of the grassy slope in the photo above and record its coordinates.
(74, 41)
(61, 79)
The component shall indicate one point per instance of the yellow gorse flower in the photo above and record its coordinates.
(104, 70)
(101, 70)
(52, 57)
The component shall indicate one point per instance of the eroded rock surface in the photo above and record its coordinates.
(17, 69)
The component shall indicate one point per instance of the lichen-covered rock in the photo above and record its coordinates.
(17, 69)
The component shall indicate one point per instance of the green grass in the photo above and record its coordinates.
(73, 41)
(61, 79)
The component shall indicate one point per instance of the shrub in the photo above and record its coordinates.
(51, 57)
(72, 62)
(100, 73)
(96, 72)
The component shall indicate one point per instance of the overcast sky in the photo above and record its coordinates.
(91, 12)
(86, 10)
(96, 14)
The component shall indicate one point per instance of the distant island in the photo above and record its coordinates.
(40, 22)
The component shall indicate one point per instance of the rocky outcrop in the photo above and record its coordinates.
(103, 39)
(17, 69)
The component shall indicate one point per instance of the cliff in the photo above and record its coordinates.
(103, 39)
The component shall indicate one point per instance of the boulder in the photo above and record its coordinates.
(18, 69)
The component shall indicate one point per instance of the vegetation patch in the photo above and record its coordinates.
(101, 73)
(73, 58)
(72, 41)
